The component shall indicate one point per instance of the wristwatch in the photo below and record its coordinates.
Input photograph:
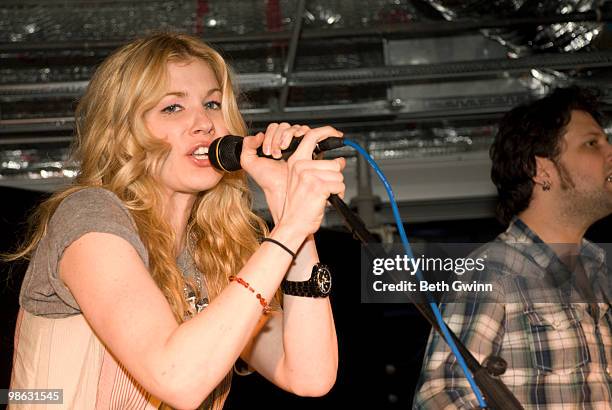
(318, 286)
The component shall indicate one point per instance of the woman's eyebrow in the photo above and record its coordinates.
(184, 94)
(213, 90)
(181, 94)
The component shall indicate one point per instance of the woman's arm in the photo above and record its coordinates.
(179, 364)
(307, 361)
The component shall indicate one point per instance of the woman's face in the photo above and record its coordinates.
(188, 117)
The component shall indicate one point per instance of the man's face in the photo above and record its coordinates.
(585, 169)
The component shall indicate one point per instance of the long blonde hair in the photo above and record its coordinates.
(118, 153)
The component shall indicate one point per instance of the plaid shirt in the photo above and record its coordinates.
(559, 353)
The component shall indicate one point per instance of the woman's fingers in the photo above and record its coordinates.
(252, 143)
(293, 132)
(324, 176)
(267, 144)
(249, 148)
(342, 162)
(336, 164)
(275, 138)
(318, 179)
(279, 136)
(311, 138)
(283, 136)
(315, 180)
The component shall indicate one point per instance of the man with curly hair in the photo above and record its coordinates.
(549, 317)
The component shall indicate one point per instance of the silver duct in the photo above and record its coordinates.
(561, 37)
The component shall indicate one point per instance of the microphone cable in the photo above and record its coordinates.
(408, 250)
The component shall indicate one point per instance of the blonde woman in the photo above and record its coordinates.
(122, 263)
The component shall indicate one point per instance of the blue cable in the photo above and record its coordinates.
(408, 250)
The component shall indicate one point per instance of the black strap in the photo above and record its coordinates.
(289, 251)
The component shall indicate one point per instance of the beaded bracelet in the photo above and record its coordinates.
(262, 300)
(289, 251)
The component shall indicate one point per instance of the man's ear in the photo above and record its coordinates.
(544, 171)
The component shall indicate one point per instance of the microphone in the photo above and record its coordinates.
(224, 152)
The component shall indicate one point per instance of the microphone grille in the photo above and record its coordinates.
(224, 153)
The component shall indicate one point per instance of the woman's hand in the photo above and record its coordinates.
(272, 175)
(310, 183)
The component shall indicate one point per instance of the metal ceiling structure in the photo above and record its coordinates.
(421, 83)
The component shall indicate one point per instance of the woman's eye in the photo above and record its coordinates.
(172, 108)
(212, 105)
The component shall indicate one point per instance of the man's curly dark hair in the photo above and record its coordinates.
(530, 130)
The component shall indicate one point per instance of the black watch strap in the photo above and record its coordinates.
(318, 286)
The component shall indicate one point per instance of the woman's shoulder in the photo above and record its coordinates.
(90, 202)
(92, 197)
(79, 213)
(93, 209)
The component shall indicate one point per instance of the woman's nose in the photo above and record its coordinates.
(202, 122)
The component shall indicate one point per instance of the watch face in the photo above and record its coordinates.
(323, 280)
